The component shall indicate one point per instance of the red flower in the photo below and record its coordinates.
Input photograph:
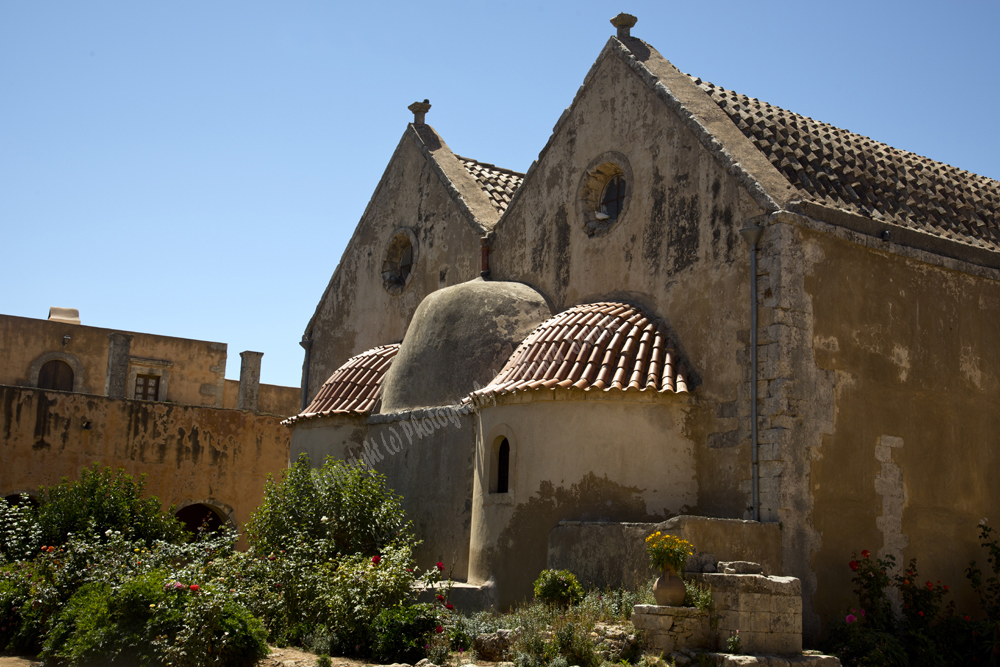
(945, 588)
(864, 554)
(449, 606)
(439, 629)
(966, 617)
(376, 559)
(854, 565)
(440, 598)
(920, 613)
(930, 586)
(194, 588)
(440, 566)
(51, 549)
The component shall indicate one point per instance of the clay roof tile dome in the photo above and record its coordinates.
(353, 388)
(595, 346)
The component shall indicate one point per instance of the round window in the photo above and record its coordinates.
(604, 193)
(398, 261)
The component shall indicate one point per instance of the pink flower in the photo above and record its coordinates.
(851, 618)
(376, 559)
(862, 612)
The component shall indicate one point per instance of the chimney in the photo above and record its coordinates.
(116, 382)
(624, 23)
(419, 110)
(64, 315)
(249, 380)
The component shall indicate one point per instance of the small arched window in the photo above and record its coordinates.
(503, 467)
(613, 199)
(55, 374)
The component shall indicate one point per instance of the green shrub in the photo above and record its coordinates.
(573, 642)
(109, 501)
(697, 595)
(338, 509)
(402, 632)
(558, 587)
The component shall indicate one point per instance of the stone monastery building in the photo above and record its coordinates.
(536, 359)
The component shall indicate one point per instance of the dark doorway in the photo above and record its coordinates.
(56, 374)
(195, 516)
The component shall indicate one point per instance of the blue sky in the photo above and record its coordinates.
(196, 169)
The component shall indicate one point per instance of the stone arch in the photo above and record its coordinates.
(14, 497)
(194, 512)
(74, 363)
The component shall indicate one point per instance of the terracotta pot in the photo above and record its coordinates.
(669, 589)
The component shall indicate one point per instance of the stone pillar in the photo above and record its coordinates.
(249, 380)
(116, 382)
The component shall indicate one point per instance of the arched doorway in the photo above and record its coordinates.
(196, 515)
(17, 499)
(55, 374)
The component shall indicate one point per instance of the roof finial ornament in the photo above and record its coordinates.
(624, 23)
(419, 109)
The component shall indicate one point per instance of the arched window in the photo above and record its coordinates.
(55, 374)
(503, 466)
(197, 515)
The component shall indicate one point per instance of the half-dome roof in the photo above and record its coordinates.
(354, 387)
(593, 346)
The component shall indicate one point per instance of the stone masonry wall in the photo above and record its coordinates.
(767, 611)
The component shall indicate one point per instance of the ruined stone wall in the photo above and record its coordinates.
(188, 454)
(356, 313)
(676, 251)
(195, 369)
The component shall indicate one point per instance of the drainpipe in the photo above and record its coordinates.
(751, 234)
(306, 344)
(486, 242)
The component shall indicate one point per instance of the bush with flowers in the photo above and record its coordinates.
(558, 587)
(668, 551)
(927, 630)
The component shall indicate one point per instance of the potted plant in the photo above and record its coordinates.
(668, 553)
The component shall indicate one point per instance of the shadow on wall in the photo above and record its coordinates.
(521, 552)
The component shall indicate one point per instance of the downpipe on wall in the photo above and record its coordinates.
(751, 234)
(306, 344)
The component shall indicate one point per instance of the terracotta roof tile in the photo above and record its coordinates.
(498, 183)
(354, 387)
(592, 346)
(839, 168)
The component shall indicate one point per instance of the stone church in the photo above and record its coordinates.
(693, 304)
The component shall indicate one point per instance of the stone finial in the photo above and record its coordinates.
(624, 23)
(419, 110)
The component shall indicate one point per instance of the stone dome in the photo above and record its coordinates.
(458, 340)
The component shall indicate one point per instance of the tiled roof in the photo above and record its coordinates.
(852, 172)
(594, 346)
(353, 388)
(498, 183)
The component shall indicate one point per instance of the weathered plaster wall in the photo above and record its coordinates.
(356, 313)
(196, 368)
(427, 458)
(590, 460)
(187, 453)
(676, 251)
(906, 464)
(272, 400)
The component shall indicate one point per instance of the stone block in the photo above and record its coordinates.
(755, 603)
(786, 604)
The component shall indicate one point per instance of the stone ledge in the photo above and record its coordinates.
(663, 610)
(750, 583)
(811, 659)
